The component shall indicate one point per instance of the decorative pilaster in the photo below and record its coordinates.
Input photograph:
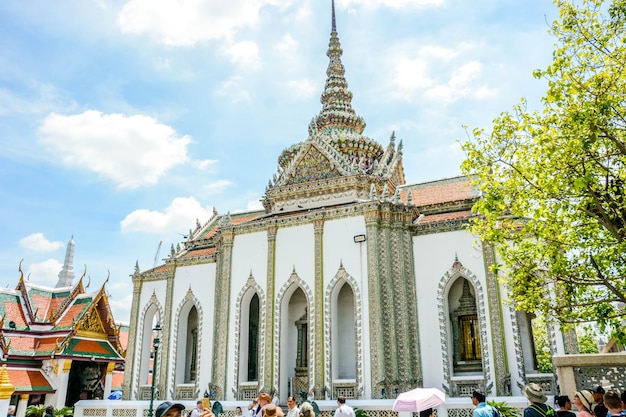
(222, 309)
(387, 317)
(375, 329)
(131, 347)
(165, 350)
(408, 262)
(501, 367)
(318, 300)
(267, 365)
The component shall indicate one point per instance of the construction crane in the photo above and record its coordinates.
(156, 256)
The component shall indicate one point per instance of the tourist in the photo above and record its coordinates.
(583, 400)
(623, 397)
(426, 413)
(537, 399)
(238, 412)
(482, 408)
(293, 410)
(169, 409)
(49, 411)
(11, 411)
(253, 408)
(565, 405)
(271, 410)
(198, 410)
(264, 400)
(343, 409)
(306, 410)
(598, 395)
(613, 404)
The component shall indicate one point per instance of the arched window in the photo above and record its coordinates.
(467, 355)
(191, 357)
(345, 335)
(253, 339)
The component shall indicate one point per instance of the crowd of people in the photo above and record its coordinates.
(263, 406)
(589, 403)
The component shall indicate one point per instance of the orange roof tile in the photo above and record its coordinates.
(29, 380)
(445, 216)
(13, 312)
(439, 192)
(200, 252)
(117, 380)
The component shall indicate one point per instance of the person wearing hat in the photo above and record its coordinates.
(271, 410)
(170, 409)
(598, 396)
(482, 408)
(583, 400)
(537, 399)
(264, 400)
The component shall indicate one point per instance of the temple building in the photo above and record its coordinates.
(349, 282)
(61, 344)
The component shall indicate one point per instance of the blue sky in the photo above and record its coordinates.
(124, 121)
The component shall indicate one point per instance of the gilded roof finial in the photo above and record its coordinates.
(334, 27)
(337, 111)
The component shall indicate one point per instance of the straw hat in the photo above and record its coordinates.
(586, 398)
(534, 393)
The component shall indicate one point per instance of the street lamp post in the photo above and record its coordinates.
(155, 344)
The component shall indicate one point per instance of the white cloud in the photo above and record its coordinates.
(204, 164)
(254, 205)
(178, 216)
(395, 4)
(411, 75)
(302, 88)
(217, 187)
(233, 89)
(459, 85)
(244, 54)
(46, 272)
(287, 46)
(132, 151)
(38, 242)
(185, 23)
(121, 307)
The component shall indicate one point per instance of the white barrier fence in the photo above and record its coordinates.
(453, 407)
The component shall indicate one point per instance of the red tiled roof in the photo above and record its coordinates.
(200, 252)
(445, 216)
(439, 192)
(117, 380)
(123, 336)
(29, 380)
(71, 314)
(13, 312)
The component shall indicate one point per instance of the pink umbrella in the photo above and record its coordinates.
(419, 399)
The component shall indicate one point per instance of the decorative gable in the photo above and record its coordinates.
(91, 323)
(313, 166)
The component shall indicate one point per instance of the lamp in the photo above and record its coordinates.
(155, 344)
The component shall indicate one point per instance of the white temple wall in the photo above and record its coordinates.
(200, 280)
(295, 248)
(340, 248)
(434, 256)
(249, 256)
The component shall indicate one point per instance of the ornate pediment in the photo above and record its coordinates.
(91, 323)
(313, 166)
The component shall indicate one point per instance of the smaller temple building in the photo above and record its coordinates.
(58, 345)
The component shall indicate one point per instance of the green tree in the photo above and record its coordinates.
(587, 340)
(553, 180)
